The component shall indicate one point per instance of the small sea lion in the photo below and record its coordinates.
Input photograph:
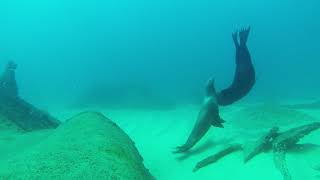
(244, 77)
(8, 84)
(208, 116)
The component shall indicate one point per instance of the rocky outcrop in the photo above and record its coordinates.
(278, 142)
(87, 146)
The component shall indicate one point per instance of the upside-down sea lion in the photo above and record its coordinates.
(244, 77)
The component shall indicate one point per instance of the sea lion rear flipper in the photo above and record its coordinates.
(243, 35)
(244, 77)
(235, 39)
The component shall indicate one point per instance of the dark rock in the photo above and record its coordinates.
(286, 140)
(212, 159)
(88, 146)
(251, 149)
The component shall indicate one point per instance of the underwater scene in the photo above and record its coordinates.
(166, 90)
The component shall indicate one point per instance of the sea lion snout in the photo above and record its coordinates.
(210, 87)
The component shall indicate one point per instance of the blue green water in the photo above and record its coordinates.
(163, 51)
(158, 54)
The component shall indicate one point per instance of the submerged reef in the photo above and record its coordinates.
(284, 141)
(87, 146)
(278, 142)
(16, 110)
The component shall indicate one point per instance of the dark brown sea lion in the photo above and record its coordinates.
(244, 77)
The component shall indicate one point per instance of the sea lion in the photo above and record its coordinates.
(208, 115)
(8, 84)
(244, 77)
(18, 111)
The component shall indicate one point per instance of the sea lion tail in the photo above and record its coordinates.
(235, 39)
(243, 35)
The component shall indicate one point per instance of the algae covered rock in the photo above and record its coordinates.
(87, 146)
(287, 139)
(251, 149)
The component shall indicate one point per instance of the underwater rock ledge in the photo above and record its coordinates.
(87, 146)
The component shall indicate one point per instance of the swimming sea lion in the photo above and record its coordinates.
(244, 77)
(208, 115)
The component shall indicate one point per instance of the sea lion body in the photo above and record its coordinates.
(208, 116)
(244, 77)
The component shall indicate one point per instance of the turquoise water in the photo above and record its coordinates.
(144, 64)
(170, 48)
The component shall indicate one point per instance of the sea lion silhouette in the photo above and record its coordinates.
(208, 116)
(8, 84)
(244, 77)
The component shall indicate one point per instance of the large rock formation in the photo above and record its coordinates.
(87, 146)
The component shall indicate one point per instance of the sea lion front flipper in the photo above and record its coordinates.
(221, 120)
(219, 125)
(218, 122)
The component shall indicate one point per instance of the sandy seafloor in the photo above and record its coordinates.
(157, 131)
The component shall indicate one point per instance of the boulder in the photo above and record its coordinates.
(87, 146)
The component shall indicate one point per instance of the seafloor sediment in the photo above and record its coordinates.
(87, 146)
(157, 131)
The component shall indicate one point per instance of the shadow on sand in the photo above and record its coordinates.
(208, 144)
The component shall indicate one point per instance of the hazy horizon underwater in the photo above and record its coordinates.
(144, 66)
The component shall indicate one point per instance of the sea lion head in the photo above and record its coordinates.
(210, 88)
(11, 65)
